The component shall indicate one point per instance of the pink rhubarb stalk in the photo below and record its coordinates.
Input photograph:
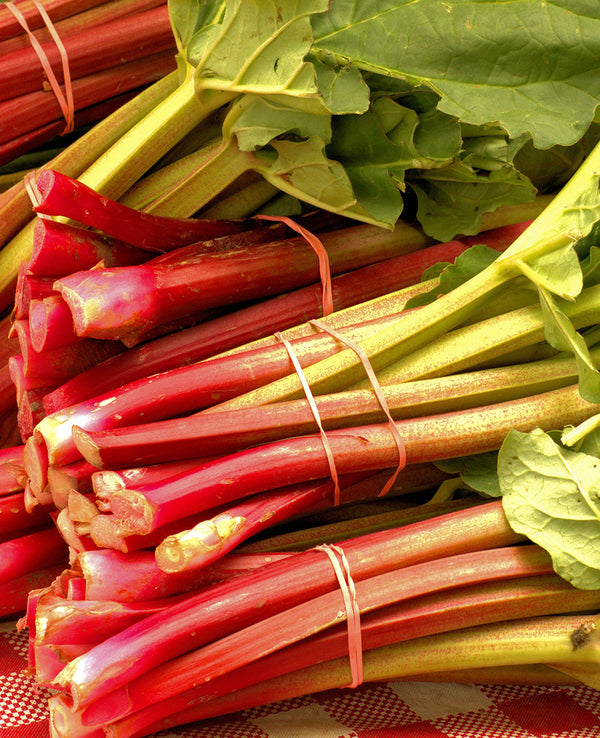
(63, 196)
(355, 449)
(272, 589)
(245, 644)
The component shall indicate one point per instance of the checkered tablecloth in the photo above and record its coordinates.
(394, 710)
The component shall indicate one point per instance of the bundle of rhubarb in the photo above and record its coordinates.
(219, 411)
(191, 381)
(69, 64)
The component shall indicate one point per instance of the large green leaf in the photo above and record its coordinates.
(250, 46)
(550, 495)
(530, 66)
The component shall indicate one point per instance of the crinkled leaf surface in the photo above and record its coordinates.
(454, 199)
(530, 66)
(256, 120)
(550, 495)
(251, 45)
(590, 267)
(301, 168)
(342, 87)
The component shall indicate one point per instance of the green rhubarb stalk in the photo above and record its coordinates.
(551, 236)
(460, 349)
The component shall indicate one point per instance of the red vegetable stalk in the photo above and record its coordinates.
(61, 248)
(34, 109)
(517, 642)
(134, 577)
(16, 224)
(272, 632)
(153, 293)
(231, 430)
(64, 196)
(206, 339)
(441, 612)
(169, 393)
(293, 580)
(359, 449)
(98, 47)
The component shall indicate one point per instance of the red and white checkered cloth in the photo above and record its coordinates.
(395, 710)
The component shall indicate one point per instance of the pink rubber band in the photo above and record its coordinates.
(313, 406)
(322, 255)
(65, 100)
(359, 351)
(341, 568)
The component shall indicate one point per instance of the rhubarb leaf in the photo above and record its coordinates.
(561, 334)
(342, 88)
(478, 472)
(454, 199)
(248, 46)
(531, 67)
(256, 120)
(301, 168)
(590, 267)
(466, 265)
(552, 496)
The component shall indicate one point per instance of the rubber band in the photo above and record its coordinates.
(322, 255)
(315, 411)
(359, 351)
(65, 100)
(341, 568)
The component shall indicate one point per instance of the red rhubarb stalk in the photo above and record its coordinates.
(356, 449)
(15, 206)
(51, 324)
(98, 47)
(218, 335)
(34, 109)
(215, 536)
(430, 658)
(357, 286)
(64, 196)
(127, 298)
(59, 364)
(30, 552)
(61, 248)
(16, 519)
(8, 482)
(231, 430)
(80, 18)
(220, 610)
(56, 9)
(135, 577)
(30, 287)
(464, 607)
(83, 677)
(175, 392)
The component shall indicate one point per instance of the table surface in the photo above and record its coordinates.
(392, 710)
